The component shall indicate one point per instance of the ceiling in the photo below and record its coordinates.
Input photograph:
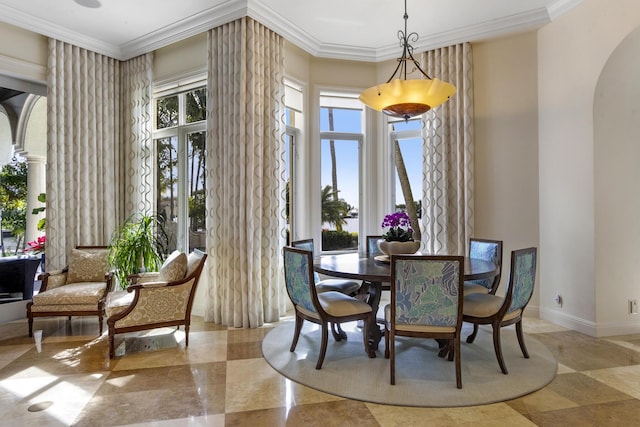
(344, 29)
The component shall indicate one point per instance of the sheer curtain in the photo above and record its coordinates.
(447, 200)
(91, 166)
(245, 170)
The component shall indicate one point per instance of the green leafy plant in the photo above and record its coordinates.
(138, 245)
(42, 222)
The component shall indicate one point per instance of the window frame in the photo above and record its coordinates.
(181, 132)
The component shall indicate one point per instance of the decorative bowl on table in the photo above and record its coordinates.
(398, 248)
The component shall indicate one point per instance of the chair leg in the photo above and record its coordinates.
(458, 355)
(186, 335)
(337, 332)
(498, 347)
(386, 342)
(111, 346)
(392, 359)
(520, 335)
(100, 323)
(323, 345)
(30, 325)
(296, 333)
(472, 337)
(365, 336)
(452, 350)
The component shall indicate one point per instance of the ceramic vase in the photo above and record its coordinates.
(397, 248)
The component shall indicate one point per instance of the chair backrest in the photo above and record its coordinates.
(372, 246)
(522, 277)
(427, 290)
(307, 245)
(488, 250)
(298, 277)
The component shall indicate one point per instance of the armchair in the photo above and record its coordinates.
(80, 289)
(156, 300)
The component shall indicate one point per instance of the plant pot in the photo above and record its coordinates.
(397, 248)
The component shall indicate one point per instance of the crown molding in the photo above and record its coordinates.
(196, 24)
(562, 6)
(482, 31)
(49, 29)
(260, 11)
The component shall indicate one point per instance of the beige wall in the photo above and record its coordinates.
(617, 213)
(506, 146)
(23, 54)
(184, 58)
(572, 52)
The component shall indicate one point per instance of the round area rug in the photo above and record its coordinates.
(422, 378)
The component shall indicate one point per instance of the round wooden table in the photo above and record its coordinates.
(374, 273)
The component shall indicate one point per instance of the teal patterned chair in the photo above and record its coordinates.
(321, 308)
(426, 302)
(497, 311)
(372, 246)
(345, 286)
(488, 250)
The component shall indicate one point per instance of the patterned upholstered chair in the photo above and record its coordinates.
(321, 308)
(345, 286)
(488, 309)
(372, 249)
(426, 302)
(158, 299)
(488, 250)
(80, 289)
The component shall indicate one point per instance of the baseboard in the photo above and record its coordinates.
(617, 328)
(590, 328)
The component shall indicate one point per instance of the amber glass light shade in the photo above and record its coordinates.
(407, 98)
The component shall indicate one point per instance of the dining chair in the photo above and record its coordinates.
(372, 249)
(320, 308)
(345, 286)
(488, 250)
(497, 311)
(426, 302)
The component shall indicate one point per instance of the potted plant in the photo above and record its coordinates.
(138, 245)
(399, 237)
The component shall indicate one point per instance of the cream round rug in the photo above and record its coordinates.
(422, 378)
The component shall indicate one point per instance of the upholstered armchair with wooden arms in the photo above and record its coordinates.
(156, 300)
(80, 289)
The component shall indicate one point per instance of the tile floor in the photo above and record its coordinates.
(222, 380)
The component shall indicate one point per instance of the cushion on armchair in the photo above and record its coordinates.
(85, 266)
(173, 268)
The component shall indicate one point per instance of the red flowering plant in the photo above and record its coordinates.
(399, 227)
(36, 246)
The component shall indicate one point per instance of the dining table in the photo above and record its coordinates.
(375, 273)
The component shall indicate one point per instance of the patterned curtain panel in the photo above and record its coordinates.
(82, 149)
(447, 200)
(136, 160)
(245, 174)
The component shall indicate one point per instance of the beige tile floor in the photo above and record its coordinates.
(222, 380)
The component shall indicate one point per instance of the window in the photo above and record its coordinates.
(179, 139)
(341, 138)
(409, 138)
